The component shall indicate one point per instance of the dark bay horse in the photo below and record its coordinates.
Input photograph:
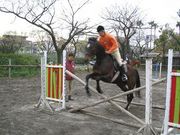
(105, 70)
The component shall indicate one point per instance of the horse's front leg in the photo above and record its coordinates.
(98, 87)
(96, 77)
(87, 83)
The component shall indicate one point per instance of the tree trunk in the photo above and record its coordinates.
(59, 56)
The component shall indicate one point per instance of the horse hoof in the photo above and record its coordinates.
(88, 94)
(100, 91)
(86, 87)
(126, 108)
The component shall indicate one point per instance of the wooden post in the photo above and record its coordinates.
(9, 75)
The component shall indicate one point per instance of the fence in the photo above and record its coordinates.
(10, 69)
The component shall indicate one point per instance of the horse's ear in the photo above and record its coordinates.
(92, 39)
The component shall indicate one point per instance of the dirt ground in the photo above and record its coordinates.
(18, 116)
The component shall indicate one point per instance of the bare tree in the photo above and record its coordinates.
(42, 14)
(43, 40)
(178, 13)
(124, 22)
(12, 43)
(178, 25)
(178, 22)
(154, 26)
(74, 45)
(140, 43)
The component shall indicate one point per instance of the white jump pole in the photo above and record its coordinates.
(42, 99)
(148, 108)
(64, 70)
(168, 91)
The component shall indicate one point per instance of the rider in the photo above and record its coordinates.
(111, 46)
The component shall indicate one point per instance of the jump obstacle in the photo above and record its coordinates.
(145, 126)
(52, 83)
(52, 89)
(172, 112)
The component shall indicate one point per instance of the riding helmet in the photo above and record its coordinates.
(100, 28)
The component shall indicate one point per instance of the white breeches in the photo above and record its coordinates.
(116, 54)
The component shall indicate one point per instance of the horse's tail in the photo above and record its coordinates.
(138, 82)
(135, 63)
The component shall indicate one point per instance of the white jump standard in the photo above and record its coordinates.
(172, 112)
(52, 83)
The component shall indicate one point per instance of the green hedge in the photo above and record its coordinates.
(19, 59)
(80, 61)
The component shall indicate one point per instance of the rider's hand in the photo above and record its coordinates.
(107, 52)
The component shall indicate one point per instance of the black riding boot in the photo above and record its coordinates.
(123, 73)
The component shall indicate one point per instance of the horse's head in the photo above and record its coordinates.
(91, 48)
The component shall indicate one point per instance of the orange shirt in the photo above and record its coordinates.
(109, 43)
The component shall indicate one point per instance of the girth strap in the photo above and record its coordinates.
(115, 76)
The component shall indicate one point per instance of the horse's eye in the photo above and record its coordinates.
(88, 45)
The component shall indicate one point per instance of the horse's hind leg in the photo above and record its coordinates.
(129, 100)
(129, 96)
(138, 84)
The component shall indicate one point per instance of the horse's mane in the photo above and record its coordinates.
(100, 48)
(94, 41)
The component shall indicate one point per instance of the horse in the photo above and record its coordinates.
(105, 70)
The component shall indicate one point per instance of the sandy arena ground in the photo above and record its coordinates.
(18, 116)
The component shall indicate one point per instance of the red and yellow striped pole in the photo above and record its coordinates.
(54, 83)
(174, 112)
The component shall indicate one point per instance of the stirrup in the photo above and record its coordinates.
(124, 62)
(124, 77)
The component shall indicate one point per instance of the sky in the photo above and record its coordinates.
(161, 11)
